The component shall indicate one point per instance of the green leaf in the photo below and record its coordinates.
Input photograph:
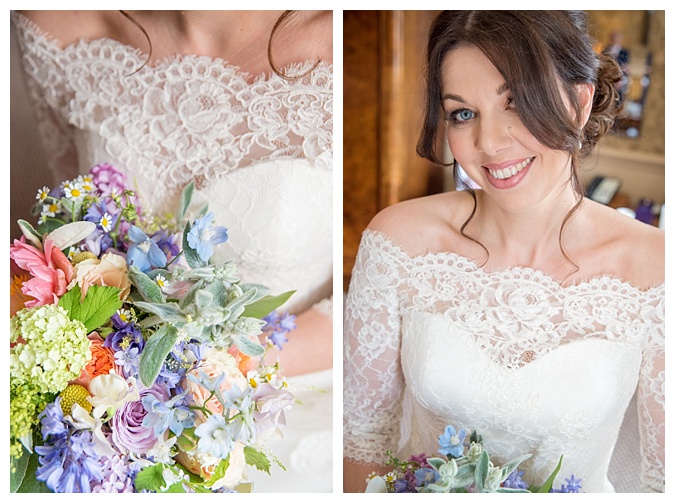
(168, 312)
(257, 459)
(247, 346)
(150, 478)
(156, 349)
(100, 303)
(148, 288)
(31, 234)
(219, 472)
(482, 470)
(30, 484)
(185, 198)
(191, 255)
(266, 305)
(546, 487)
(239, 302)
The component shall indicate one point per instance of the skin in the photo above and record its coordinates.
(518, 223)
(240, 38)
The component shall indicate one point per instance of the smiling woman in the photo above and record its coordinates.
(520, 309)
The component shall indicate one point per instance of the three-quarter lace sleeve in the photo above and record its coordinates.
(46, 85)
(651, 399)
(373, 382)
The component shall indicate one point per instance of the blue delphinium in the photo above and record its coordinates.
(215, 437)
(573, 486)
(173, 414)
(279, 326)
(452, 442)
(515, 481)
(144, 252)
(128, 359)
(68, 462)
(203, 236)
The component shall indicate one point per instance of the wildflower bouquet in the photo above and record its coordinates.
(466, 468)
(135, 361)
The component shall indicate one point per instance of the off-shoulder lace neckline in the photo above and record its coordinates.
(162, 63)
(470, 266)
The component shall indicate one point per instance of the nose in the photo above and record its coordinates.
(492, 136)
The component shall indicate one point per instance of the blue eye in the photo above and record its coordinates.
(461, 115)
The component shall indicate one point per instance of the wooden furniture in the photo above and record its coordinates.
(383, 82)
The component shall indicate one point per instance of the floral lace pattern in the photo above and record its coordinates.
(194, 118)
(176, 120)
(536, 367)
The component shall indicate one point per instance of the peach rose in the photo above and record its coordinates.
(111, 270)
(245, 363)
(205, 464)
(216, 363)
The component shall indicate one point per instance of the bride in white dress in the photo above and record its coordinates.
(521, 310)
(206, 105)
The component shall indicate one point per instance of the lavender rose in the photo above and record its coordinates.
(129, 434)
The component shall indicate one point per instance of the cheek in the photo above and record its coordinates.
(461, 145)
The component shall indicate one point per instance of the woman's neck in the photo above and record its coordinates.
(530, 237)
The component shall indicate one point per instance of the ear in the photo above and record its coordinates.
(585, 94)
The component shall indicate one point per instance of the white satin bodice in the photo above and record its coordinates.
(534, 367)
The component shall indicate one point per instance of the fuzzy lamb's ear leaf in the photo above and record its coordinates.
(31, 234)
(148, 288)
(155, 352)
(69, 234)
(247, 346)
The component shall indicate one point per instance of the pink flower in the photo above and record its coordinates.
(50, 269)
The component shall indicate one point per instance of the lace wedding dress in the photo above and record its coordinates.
(532, 366)
(260, 154)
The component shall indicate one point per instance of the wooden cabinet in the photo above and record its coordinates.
(383, 107)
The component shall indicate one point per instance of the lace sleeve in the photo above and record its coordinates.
(373, 382)
(47, 89)
(651, 403)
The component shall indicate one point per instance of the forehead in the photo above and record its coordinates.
(468, 68)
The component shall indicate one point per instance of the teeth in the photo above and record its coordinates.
(502, 174)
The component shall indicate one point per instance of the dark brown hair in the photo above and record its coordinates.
(536, 52)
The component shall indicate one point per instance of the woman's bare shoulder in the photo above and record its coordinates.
(425, 225)
(635, 250)
(66, 27)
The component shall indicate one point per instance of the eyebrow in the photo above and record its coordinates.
(449, 96)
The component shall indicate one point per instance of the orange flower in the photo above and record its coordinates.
(17, 299)
(102, 361)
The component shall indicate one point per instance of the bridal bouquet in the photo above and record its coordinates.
(465, 468)
(135, 360)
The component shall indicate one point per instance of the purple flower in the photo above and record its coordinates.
(452, 442)
(127, 335)
(129, 434)
(167, 243)
(279, 326)
(129, 360)
(515, 481)
(426, 476)
(108, 179)
(144, 252)
(68, 462)
(118, 476)
(203, 236)
(573, 486)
